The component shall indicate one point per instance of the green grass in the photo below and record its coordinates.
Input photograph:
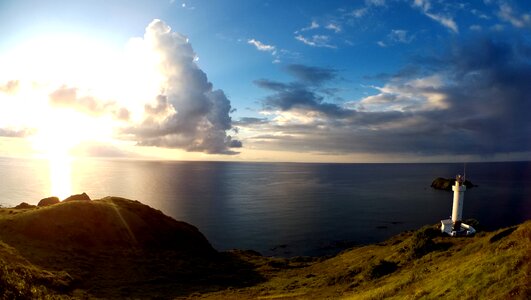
(471, 268)
(415, 265)
(112, 248)
(19, 279)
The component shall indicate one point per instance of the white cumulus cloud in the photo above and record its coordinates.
(189, 114)
(313, 25)
(316, 40)
(261, 46)
(506, 13)
(334, 27)
(426, 7)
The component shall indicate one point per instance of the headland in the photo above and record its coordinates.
(119, 248)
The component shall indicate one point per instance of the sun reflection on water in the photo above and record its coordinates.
(60, 176)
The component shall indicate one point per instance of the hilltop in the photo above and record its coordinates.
(114, 248)
(110, 248)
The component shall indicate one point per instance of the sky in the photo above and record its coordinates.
(270, 80)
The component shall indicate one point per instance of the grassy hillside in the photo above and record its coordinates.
(414, 265)
(20, 279)
(114, 248)
(109, 223)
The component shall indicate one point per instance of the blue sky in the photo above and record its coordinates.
(374, 80)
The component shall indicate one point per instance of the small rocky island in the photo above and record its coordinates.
(445, 184)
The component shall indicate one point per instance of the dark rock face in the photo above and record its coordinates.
(447, 183)
(48, 201)
(83, 196)
(24, 205)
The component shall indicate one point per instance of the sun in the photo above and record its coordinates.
(107, 77)
(125, 74)
(59, 132)
(44, 64)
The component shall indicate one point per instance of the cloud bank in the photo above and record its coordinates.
(471, 100)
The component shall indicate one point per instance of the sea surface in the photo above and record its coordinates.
(283, 209)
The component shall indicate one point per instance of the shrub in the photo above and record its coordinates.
(422, 242)
(382, 268)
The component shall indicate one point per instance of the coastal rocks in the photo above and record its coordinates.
(446, 184)
(24, 205)
(48, 201)
(83, 196)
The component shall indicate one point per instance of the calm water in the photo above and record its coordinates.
(284, 209)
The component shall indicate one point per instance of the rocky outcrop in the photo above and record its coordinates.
(24, 205)
(447, 183)
(48, 201)
(83, 197)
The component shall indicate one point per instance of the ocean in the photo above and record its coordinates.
(283, 209)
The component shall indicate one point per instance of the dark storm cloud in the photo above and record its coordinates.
(305, 93)
(311, 75)
(491, 95)
(249, 121)
(408, 71)
(272, 85)
(269, 137)
(298, 96)
(476, 100)
(235, 144)
(161, 106)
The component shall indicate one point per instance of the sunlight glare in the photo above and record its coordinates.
(58, 135)
(128, 76)
(63, 129)
(60, 176)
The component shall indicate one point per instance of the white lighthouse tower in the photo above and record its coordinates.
(455, 226)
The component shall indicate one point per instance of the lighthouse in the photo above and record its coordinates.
(459, 194)
(455, 226)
